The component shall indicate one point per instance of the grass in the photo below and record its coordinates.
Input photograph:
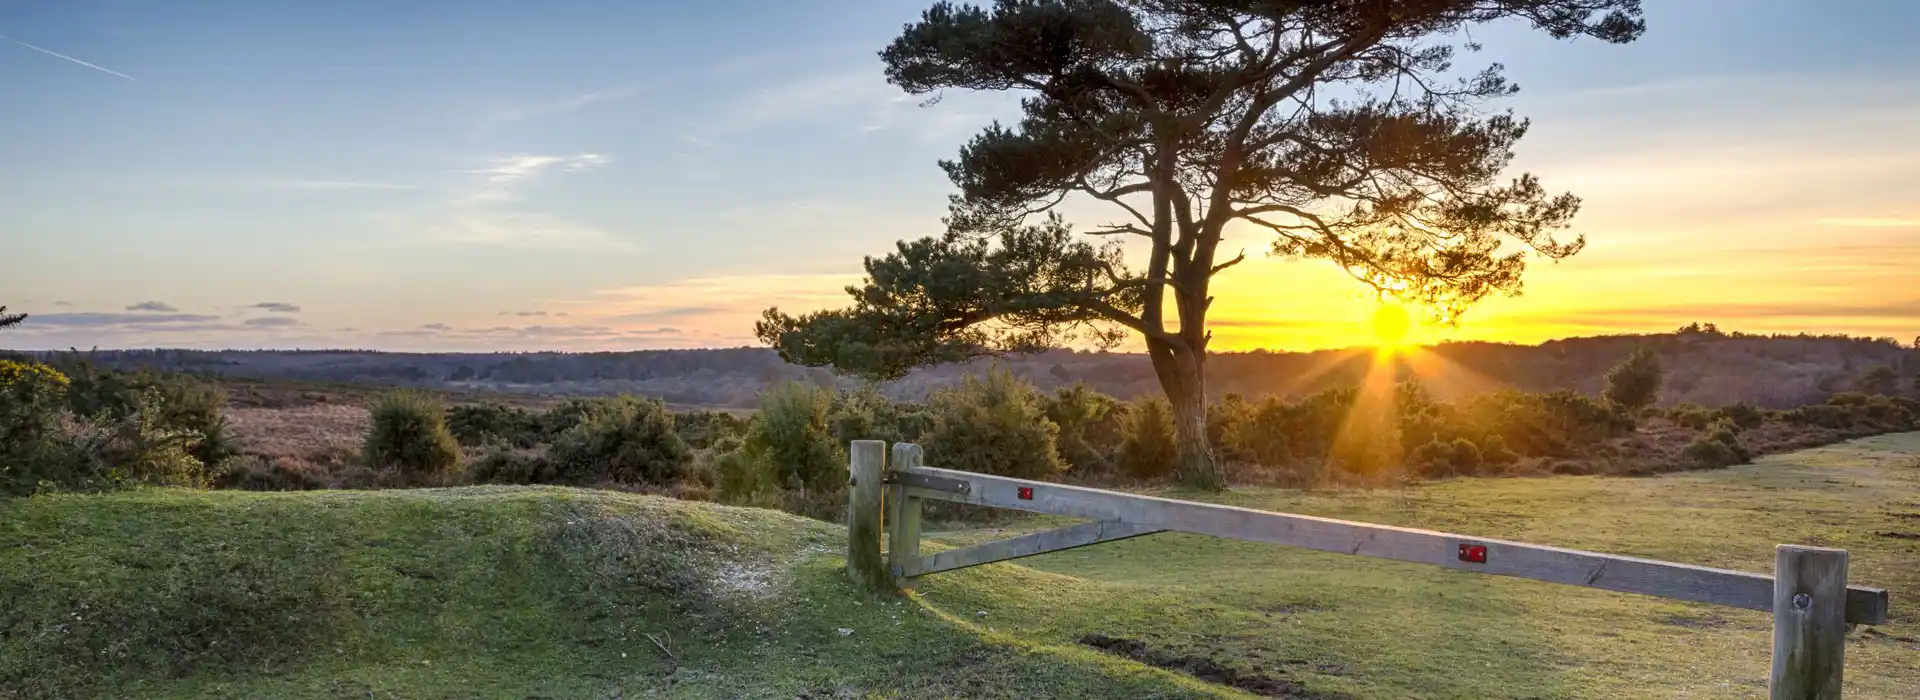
(1382, 629)
(565, 593)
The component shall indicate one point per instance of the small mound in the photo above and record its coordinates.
(103, 590)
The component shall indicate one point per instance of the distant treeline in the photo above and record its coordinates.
(1705, 366)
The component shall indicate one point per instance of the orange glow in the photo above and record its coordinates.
(1390, 326)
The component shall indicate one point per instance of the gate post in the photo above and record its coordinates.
(903, 518)
(869, 462)
(1809, 622)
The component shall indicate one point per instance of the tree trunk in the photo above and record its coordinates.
(1183, 377)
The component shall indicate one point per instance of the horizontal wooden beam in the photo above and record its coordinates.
(1069, 537)
(1489, 556)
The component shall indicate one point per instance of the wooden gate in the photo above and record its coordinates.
(1809, 596)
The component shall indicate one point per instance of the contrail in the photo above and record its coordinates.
(69, 58)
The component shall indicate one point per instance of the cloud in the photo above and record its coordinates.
(436, 327)
(521, 230)
(278, 307)
(523, 313)
(503, 176)
(99, 320)
(159, 306)
(552, 107)
(336, 185)
(63, 304)
(670, 313)
(1871, 222)
(272, 322)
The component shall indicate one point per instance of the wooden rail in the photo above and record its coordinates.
(1810, 600)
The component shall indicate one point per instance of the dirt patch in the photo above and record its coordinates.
(1900, 535)
(1207, 670)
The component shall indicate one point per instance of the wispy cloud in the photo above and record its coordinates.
(278, 307)
(65, 57)
(336, 185)
(272, 322)
(524, 313)
(159, 306)
(521, 230)
(94, 319)
(1871, 222)
(503, 177)
(557, 106)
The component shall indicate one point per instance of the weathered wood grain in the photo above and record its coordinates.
(1028, 545)
(1809, 622)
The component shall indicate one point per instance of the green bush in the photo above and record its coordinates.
(627, 440)
(701, 429)
(494, 423)
(1147, 444)
(107, 451)
(992, 425)
(790, 443)
(512, 466)
(864, 414)
(1494, 451)
(408, 432)
(1547, 425)
(1635, 383)
(1086, 433)
(32, 396)
(565, 415)
(1742, 415)
(1458, 458)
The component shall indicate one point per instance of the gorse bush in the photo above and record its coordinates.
(488, 423)
(407, 432)
(790, 443)
(1146, 446)
(701, 429)
(49, 446)
(1635, 383)
(626, 440)
(1742, 415)
(993, 425)
(1083, 416)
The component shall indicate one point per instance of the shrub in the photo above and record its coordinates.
(992, 425)
(1691, 416)
(627, 440)
(1147, 447)
(864, 414)
(31, 397)
(701, 429)
(1635, 383)
(565, 415)
(1742, 415)
(494, 423)
(1546, 425)
(258, 473)
(1709, 453)
(103, 452)
(1493, 451)
(408, 432)
(1879, 379)
(1081, 413)
(512, 466)
(790, 443)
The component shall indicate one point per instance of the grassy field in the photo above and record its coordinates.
(562, 593)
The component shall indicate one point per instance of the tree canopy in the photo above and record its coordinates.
(1340, 129)
(7, 319)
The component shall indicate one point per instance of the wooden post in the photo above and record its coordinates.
(903, 519)
(869, 462)
(1809, 622)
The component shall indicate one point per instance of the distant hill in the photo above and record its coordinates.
(1705, 366)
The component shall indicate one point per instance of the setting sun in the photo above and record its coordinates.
(1390, 326)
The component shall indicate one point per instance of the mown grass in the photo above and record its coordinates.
(564, 593)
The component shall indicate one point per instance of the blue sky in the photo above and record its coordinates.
(600, 175)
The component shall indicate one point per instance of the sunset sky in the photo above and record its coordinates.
(469, 175)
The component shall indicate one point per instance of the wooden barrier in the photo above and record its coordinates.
(1809, 597)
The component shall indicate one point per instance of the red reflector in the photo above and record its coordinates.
(1473, 553)
(1026, 493)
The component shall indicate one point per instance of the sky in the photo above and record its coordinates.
(492, 175)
